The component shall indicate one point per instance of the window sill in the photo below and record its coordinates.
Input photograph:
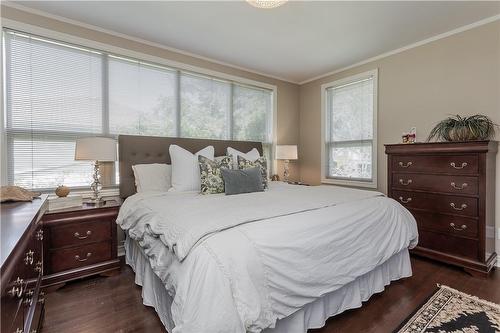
(353, 183)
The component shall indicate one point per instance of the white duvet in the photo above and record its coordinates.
(239, 263)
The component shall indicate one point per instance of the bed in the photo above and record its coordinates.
(283, 260)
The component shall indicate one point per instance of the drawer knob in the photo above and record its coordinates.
(403, 200)
(87, 234)
(464, 164)
(77, 257)
(462, 227)
(18, 330)
(407, 165)
(17, 289)
(462, 206)
(464, 185)
(408, 182)
(38, 266)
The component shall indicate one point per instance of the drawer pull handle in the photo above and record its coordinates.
(19, 330)
(462, 227)
(408, 182)
(38, 266)
(403, 200)
(77, 257)
(77, 235)
(464, 185)
(462, 206)
(39, 235)
(407, 165)
(464, 164)
(17, 289)
(28, 258)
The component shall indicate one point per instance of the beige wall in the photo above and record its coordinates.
(287, 93)
(459, 74)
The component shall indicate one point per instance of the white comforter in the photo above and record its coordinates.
(242, 262)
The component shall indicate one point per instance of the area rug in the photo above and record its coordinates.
(451, 311)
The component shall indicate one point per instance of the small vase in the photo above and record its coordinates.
(62, 191)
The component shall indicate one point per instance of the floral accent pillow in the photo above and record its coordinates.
(210, 174)
(261, 162)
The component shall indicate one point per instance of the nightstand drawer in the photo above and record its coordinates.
(68, 258)
(80, 233)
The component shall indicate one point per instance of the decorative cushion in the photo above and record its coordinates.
(185, 169)
(252, 155)
(242, 181)
(152, 177)
(261, 162)
(210, 173)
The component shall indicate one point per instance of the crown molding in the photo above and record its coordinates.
(407, 47)
(137, 39)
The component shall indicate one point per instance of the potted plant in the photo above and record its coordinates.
(458, 128)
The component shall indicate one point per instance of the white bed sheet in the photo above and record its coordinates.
(250, 275)
(312, 315)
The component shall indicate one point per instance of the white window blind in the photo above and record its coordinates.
(142, 98)
(53, 95)
(350, 124)
(57, 92)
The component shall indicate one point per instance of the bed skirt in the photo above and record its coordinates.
(312, 315)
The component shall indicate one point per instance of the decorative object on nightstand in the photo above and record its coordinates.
(62, 191)
(286, 153)
(80, 242)
(449, 187)
(97, 149)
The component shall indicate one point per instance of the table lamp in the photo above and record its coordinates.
(287, 153)
(96, 149)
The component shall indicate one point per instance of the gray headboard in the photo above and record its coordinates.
(151, 149)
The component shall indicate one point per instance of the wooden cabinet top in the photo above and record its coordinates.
(443, 147)
(16, 219)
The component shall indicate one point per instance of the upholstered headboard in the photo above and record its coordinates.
(148, 149)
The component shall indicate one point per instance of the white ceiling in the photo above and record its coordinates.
(297, 41)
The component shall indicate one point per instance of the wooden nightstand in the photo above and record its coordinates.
(80, 242)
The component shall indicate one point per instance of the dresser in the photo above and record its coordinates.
(80, 242)
(449, 188)
(21, 252)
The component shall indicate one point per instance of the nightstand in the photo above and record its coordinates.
(79, 242)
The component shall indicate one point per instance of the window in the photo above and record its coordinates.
(56, 92)
(350, 130)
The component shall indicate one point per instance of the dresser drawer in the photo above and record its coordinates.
(74, 257)
(462, 247)
(80, 233)
(439, 203)
(459, 164)
(436, 183)
(451, 225)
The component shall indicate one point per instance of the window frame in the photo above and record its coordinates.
(325, 144)
(111, 50)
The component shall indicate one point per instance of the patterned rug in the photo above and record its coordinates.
(451, 311)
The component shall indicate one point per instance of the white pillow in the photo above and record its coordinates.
(152, 177)
(185, 168)
(252, 155)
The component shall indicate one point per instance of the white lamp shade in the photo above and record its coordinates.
(95, 149)
(286, 152)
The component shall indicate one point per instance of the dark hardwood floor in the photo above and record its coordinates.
(114, 304)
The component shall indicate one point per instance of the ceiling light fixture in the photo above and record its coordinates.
(266, 4)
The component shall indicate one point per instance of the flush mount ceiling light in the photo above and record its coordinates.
(266, 4)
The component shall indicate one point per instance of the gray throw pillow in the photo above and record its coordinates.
(261, 162)
(242, 181)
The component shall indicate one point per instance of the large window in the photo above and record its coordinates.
(349, 128)
(56, 92)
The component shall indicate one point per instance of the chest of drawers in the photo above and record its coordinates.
(22, 301)
(450, 190)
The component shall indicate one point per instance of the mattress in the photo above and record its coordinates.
(312, 315)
